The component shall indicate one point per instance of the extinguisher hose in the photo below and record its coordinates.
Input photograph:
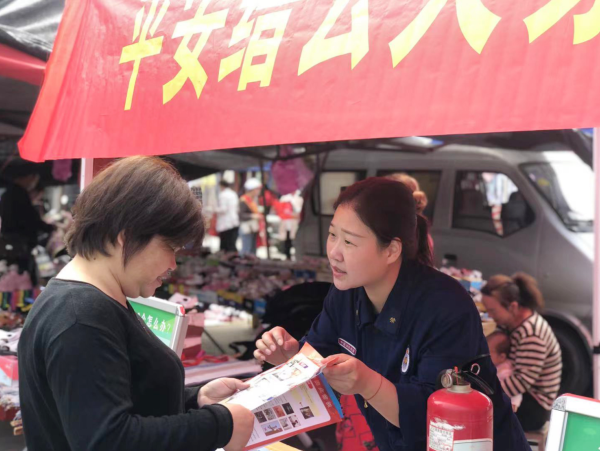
(478, 382)
(466, 371)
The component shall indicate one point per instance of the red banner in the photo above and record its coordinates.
(168, 76)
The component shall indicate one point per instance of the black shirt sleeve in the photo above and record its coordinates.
(93, 397)
(191, 398)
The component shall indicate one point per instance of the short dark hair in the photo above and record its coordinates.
(388, 208)
(142, 197)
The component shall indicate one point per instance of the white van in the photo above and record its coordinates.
(496, 210)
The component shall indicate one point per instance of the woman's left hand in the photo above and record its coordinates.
(218, 390)
(349, 376)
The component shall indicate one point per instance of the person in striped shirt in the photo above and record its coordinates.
(515, 304)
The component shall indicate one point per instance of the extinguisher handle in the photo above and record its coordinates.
(466, 369)
(466, 366)
(474, 379)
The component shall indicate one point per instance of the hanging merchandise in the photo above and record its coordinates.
(19, 300)
(12, 280)
(62, 170)
(290, 175)
(209, 188)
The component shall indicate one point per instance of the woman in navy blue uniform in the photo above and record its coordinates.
(392, 322)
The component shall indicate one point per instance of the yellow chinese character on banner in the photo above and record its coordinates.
(257, 47)
(355, 42)
(475, 21)
(144, 47)
(586, 26)
(191, 69)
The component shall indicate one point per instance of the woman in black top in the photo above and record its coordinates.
(92, 375)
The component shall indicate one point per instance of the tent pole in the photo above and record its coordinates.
(264, 198)
(596, 317)
(320, 219)
(86, 173)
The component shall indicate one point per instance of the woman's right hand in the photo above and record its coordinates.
(276, 346)
(243, 424)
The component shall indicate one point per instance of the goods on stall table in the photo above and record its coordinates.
(9, 370)
(9, 403)
(472, 281)
(468, 278)
(242, 282)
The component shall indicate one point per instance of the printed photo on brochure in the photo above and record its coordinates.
(291, 398)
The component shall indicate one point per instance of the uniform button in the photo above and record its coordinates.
(392, 320)
(356, 312)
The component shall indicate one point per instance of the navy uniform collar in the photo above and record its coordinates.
(390, 317)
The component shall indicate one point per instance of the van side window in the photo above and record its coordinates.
(332, 183)
(489, 202)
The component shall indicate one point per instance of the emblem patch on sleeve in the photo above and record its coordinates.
(406, 360)
(347, 346)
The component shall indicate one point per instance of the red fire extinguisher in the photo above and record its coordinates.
(458, 417)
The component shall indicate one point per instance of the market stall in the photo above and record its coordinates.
(539, 39)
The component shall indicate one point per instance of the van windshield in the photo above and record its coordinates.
(569, 188)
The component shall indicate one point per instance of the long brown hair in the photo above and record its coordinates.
(388, 208)
(520, 288)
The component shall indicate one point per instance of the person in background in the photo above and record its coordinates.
(413, 185)
(288, 209)
(21, 224)
(18, 214)
(92, 374)
(228, 219)
(250, 216)
(515, 303)
(499, 344)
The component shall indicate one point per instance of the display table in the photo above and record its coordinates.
(280, 447)
(207, 372)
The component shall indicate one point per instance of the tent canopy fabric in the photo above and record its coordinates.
(30, 25)
(21, 66)
(219, 74)
(27, 32)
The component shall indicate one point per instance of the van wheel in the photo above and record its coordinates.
(577, 365)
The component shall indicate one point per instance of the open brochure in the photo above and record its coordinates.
(291, 398)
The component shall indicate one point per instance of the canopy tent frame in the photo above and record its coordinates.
(596, 312)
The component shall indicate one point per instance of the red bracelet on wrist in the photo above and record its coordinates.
(380, 384)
